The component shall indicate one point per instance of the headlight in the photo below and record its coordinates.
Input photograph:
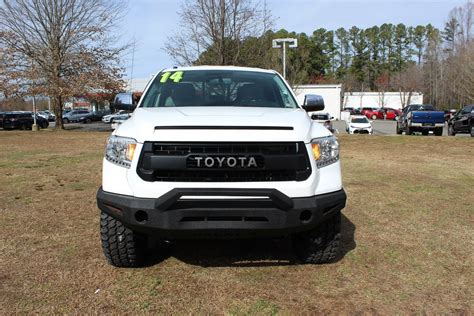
(325, 150)
(120, 150)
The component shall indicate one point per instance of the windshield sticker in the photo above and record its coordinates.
(175, 77)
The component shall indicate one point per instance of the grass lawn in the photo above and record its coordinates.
(408, 239)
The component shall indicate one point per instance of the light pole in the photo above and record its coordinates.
(281, 43)
(34, 128)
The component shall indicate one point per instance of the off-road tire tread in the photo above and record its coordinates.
(320, 245)
(121, 246)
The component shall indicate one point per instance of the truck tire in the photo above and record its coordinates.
(399, 131)
(121, 246)
(321, 244)
(408, 130)
(451, 131)
(425, 133)
(438, 131)
(472, 131)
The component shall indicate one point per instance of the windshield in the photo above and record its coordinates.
(359, 120)
(423, 107)
(218, 88)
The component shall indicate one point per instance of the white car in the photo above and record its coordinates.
(119, 119)
(111, 117)
(221, 152)
(323, 118)
(359, 124)
(47, 115)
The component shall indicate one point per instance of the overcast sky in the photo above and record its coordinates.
(150, 22)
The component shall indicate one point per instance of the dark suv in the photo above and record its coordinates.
(462, 122)
(22, 120)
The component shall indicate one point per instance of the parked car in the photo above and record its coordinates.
(321, 117)
(119, 119)
(371, 113)
(74, 115)
(325, 119)
(449, 114)
(91, 117)
(422, 118)
(359, 124)
(352, 111)
(47, 115)
(22, 120)
(388, 114)
(111, 117)
(462, 122)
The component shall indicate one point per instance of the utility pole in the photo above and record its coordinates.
(281, 43)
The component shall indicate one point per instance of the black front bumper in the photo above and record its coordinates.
(172, 217)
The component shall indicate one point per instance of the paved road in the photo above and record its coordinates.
(94, 126)
(381, 127)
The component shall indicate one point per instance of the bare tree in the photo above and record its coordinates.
(213, 31)
(382, 85)
(464, 73)
(61, 48)
(407, 82)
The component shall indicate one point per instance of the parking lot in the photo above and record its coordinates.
(407, 238)
(381, 127)
(94, 127)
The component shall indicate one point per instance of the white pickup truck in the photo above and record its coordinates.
(221, 152)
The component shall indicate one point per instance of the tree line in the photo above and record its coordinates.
(64, 48)
(382, 58)
(59, 49)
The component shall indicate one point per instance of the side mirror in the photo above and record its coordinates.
(332, 117)
(124, 101)
(313, 102)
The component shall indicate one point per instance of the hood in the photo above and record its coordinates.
(361, 125)
(220, 124)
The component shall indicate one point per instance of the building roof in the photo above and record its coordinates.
(320, 86)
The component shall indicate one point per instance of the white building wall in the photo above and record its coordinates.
(330, 93)
(377, 99)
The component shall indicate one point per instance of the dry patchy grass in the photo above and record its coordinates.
(408, 239)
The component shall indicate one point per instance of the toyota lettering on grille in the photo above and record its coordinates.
(224, 162)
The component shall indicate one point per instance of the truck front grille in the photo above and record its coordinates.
(223, 162)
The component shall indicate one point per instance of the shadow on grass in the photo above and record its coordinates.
(244, 252)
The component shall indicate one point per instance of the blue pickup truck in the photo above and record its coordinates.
(421, 118)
